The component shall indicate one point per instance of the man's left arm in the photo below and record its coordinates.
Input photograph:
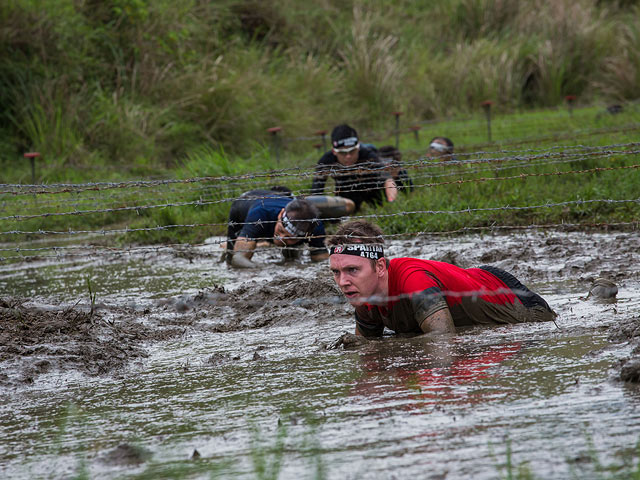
(388, 184)
(390, 189)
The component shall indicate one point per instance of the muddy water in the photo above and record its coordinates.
(241, 373)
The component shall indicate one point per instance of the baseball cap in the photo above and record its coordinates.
(344, 138)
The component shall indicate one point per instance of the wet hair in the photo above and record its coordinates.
(341, 132)
(389, 151)
(447, 142)
(357, 231)
(304, 215)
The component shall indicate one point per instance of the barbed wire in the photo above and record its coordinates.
(186, 248)
(31, 189)
(260, 222)
(200, 202)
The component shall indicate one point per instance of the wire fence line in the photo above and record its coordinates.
(188, 192)
(225, 189)
(200, 203)
(368, 216)
(61, 252)
(305, 172)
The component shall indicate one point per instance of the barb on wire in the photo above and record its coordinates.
(14, 189)
(200, 202)
(414, 212)
(81, 250)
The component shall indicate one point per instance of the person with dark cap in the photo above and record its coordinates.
(358, 174)
(391, 157)
(441, 148)
(411, 295)
(277, 217)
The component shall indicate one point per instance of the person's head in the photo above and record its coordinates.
(391, 157)
(345, 144)
(440, 147)
(295, 221)
(357, 261)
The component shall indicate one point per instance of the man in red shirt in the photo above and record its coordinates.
(410, 295)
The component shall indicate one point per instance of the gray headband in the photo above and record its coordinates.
(290, 227)
(372, 251)
(440, 147)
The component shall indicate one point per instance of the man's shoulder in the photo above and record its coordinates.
(404, 268)
(328, 158)
(368, 152)
(270, 204)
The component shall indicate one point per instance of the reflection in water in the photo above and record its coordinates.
(430, 372)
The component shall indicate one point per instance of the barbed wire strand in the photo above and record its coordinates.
(188, 248)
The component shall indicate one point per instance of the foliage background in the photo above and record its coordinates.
(133, 87)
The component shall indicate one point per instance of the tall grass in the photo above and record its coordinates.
(138, 85)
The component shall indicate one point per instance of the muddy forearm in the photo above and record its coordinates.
(244, 247)
(438, 322)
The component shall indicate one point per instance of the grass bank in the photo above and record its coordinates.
(542, 167)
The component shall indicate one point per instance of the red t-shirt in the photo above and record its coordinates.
(418, 288)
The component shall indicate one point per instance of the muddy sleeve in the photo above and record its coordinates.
(253, 227)
(427, 302)
(367, 326)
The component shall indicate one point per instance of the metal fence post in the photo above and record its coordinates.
(415, 129)
(275, 142)
(397, 115)
(570, 99)
(323, 134)
(486, 105)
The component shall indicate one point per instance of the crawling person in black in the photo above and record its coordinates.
(277, 217)
(356, 170)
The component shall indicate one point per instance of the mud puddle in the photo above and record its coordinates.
(178, 355)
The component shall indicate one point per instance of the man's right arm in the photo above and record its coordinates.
(430, 309)
(242, 253)
(438, 322)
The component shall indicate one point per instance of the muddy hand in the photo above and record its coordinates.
(348, 340)
(240, 261)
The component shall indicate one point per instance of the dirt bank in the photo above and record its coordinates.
(36, 339)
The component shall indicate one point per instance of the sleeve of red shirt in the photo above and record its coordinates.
(425, 293)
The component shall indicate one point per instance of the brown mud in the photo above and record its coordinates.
(37, 338)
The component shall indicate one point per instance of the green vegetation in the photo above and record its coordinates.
(127, 87)
(133, 89)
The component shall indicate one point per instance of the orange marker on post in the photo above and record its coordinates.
(32, 157)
